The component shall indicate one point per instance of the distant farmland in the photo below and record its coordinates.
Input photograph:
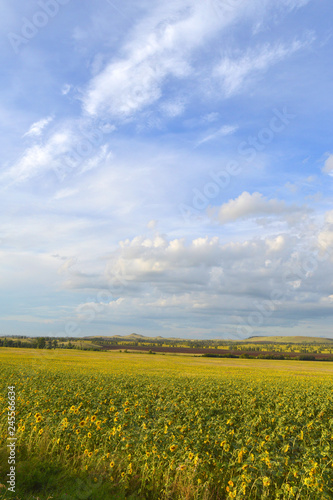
(217, 352)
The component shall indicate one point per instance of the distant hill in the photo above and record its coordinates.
(291, 340)
(268, 339)
(131, 336)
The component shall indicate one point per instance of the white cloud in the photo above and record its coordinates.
(37, 127)
(74, 147)
(249, 205)
(198, 282)
(40, 157)
(235, 72)
(159, 49)
(328, 166)
(66, 89)
(131, 84)
(223, 131)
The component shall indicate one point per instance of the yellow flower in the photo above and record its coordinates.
(67, 447)
(86, 451)
(122, 474)
(126, 410)
(41, 431)
(266, 481)
(173, 447)
(111, 464)
(182, 467)
(72, 408)
(90, 454)
(82, 423)
(93, 418)
(190, 456)
(77, 431)
(89, 434)
(147, 453)
(38, 419)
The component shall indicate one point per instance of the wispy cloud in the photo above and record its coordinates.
(37, 128)
(235, 73)
(223, 131)
(328, 166)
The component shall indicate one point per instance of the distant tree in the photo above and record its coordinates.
(41, 343)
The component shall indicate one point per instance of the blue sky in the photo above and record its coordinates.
(166, 168)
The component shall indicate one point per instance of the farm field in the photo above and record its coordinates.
(100, 425)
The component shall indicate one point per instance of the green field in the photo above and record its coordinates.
(110, 425)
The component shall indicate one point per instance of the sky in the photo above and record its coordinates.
(166, 168)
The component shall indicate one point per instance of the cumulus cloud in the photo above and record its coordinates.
(250, 205)
(205, 282)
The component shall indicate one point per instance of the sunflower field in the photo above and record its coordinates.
(135, 426)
